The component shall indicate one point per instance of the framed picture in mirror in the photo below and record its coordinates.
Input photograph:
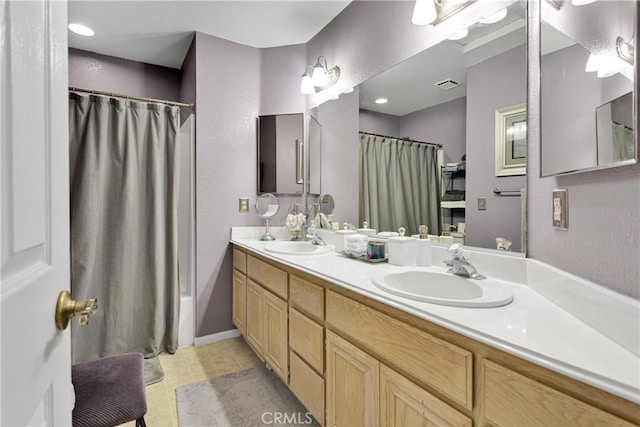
(511, 140)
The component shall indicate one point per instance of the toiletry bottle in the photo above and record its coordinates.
(423, 252)
(446, 234)
(303, 231)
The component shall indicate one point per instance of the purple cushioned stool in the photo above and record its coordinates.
(109, 391)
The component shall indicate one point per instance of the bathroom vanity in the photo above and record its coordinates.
(355, 355)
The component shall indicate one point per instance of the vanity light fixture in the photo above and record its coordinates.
(435, 11)
(321, 77)
(381, 101)
(81, 29)
(625, 49)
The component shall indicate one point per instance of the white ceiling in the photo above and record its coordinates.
(160, 32)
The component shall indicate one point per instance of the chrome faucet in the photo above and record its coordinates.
(459, 264)
(314, 238)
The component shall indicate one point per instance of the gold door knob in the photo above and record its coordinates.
(66, 308)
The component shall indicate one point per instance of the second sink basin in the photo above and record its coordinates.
(443, 288)
(296, 248)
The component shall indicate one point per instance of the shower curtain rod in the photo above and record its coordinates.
(403, 139)
(135, 98)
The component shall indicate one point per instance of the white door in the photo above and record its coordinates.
(35, 357)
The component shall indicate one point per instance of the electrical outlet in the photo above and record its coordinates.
(560, 209)
(482, 203)
(243, 205)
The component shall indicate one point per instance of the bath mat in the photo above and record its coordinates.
(152, 371)
(251, 397)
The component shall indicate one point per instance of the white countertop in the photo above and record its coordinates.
(531, 327)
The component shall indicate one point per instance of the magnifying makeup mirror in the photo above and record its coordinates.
(267, 206)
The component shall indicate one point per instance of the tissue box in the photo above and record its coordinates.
(402, 250)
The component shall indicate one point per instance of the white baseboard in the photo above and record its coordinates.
(210, 339)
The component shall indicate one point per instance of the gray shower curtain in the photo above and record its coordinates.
(124, 240)
(399, 184)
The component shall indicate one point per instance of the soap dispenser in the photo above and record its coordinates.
(423, 252)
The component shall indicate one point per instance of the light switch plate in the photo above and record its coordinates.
(243, 205)
(482, 203)
(560, 209)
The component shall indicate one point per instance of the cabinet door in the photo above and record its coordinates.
(511, 399)
(239, 300)
(352, 384)
(254, 321)
(275, 344)
(403, 403)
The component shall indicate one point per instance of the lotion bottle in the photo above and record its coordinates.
(423, 252)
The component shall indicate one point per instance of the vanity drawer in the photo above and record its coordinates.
(512, 399)
(240, 260)
(306, 339)
(307, 385)
(270, 277)
(306, 297)
(436, 363)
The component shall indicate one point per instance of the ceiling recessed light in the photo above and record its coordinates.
(492, 19)
(381, 101)
(80, 29)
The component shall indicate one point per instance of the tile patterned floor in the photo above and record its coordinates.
(188, 365)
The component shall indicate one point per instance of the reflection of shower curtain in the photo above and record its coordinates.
(124, 245)
(623, 146)
(399, 184)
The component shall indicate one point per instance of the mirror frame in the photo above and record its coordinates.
(534, 44)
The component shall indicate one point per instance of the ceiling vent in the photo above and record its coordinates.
(447, 84)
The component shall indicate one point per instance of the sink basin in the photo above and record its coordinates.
(296, 248)
(443, 288)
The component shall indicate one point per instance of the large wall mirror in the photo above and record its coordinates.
(588, 116)
(448, 95)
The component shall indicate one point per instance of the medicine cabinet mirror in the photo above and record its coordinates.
(587, 81)
(315, 156)
(280, 154)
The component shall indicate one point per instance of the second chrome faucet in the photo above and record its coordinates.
(459, 264)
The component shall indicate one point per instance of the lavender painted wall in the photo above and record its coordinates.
(339, 121)
(380, 123)
(602, 243)
(228, 102)
(88, 70)
(493, 84)
(441, 124)
(188, 81)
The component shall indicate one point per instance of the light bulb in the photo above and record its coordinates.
(492, 19)
(381, 101)
(306, 85)
(424, 12)
(320, 77)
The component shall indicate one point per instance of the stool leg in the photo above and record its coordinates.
(140, 422)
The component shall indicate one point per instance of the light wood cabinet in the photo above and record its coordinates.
(306, 339)
(511, 399)
(239, 300)
(308, 386)
(254, 323)
(445, 367)
(352, 384)
(403, 403)
(354, 361)
(275, 345)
